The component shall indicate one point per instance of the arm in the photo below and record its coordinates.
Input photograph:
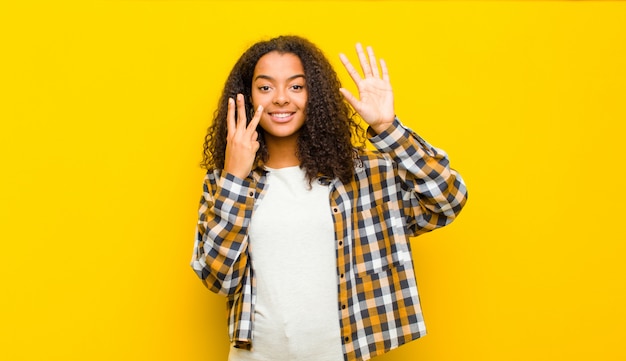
(434, 193)
(220, 254)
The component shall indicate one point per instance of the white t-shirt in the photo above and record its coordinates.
(292, 250)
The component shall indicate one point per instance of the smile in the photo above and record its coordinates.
(281, 117)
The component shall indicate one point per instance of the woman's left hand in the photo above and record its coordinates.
(375, 103)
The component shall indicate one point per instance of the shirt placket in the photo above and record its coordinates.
(343, 266)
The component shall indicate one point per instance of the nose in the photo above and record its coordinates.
(281, 98)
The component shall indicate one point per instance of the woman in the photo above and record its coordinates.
(304, 230)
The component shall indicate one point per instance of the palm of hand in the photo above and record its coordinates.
(375, 103)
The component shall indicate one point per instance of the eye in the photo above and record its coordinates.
(297, 87)
(264, 88)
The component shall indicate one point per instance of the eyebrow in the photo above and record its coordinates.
(261, 76)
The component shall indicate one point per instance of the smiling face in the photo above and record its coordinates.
(279, 85)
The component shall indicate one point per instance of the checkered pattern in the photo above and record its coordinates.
(404, 189)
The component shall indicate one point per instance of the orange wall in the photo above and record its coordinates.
(103, 113)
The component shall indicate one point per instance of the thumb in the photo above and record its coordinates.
(349, 97)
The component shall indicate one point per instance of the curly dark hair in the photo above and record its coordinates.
(331, 135)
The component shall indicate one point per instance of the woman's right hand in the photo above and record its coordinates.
(241, 140)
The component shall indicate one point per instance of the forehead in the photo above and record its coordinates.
(275, 63)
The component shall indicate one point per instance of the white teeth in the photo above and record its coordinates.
(281, 115)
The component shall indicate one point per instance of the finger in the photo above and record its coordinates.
(383, 67)
(352, 100)
(241, 113)
(373, 62)
(367, 70)
(255, 146)
(254, 122)
(255, 141)
(354, 74)
(230, 118)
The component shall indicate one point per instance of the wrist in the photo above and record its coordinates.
(239, 173)
(380, 127)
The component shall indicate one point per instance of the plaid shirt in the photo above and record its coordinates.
(404, 189)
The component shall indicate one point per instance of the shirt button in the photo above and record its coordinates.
(341, 275)
(347, 339)
(335, 210)
(251, 194)
(343, 307)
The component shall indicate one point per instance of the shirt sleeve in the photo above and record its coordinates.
(435, 193)
(220, 253)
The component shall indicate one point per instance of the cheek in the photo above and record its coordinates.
(303, 100)
(258, 99)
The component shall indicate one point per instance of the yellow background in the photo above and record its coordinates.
(104, 108)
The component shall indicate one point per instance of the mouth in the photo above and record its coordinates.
(281, 117)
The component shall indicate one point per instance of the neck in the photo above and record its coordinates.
(282, 151)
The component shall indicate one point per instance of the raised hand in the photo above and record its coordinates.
(375, 102)
(241, 140)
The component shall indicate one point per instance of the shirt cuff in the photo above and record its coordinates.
(235, 188)
(397, 136)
